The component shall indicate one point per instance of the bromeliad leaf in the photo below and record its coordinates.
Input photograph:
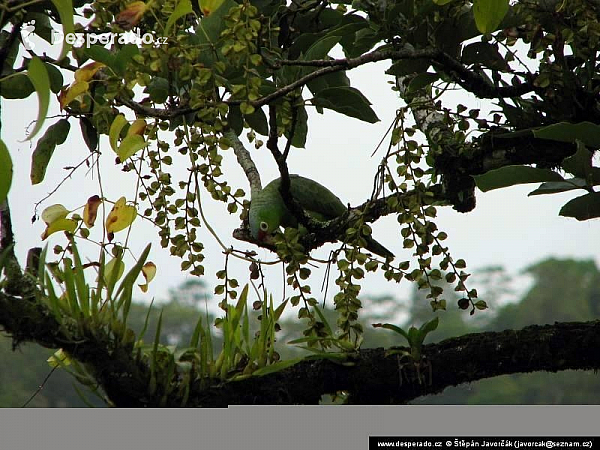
(511, 175)
(276, 367)
(348, 101)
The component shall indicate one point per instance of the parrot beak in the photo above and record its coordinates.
(261, 235)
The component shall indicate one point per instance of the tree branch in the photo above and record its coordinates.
(330, 231)
(371, 377)
(471, 81)
(245, 161)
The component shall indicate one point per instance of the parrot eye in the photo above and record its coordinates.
(264, 226)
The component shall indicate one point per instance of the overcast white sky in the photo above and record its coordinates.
(507, 228)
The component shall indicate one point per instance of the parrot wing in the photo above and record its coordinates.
(316, 200)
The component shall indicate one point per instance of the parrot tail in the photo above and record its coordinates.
(377, 248)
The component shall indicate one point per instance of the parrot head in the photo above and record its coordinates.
(263, 222)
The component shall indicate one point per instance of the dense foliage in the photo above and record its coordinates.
(223, 76)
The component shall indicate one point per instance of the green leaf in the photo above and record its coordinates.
(6, 172)
(258, 121)
(210, 27)
(582, 208)
(158, 90)
(16, 86)
(579, 164)
(442, 2)
(348, 101)
(124, 57)
(100, 54)
(319, 50)
(54, 135)
(42, 25)
(56, 78)
(511, 175)
(183, 8)
(555, 187)
(65, 12)
(408, 66)
(489, 14)
(484, 53)
(422, 80)
(586, 132)
(276, 367)
(234, 118)
(365, 40)
(115, 131)
(301, 130)
(38, 75)
(89, 133)
(130, 145)
(335, 79)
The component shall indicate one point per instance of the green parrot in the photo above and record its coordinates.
(268, 211)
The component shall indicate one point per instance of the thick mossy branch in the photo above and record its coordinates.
(375, 378)
(115, 368)
(370, 376)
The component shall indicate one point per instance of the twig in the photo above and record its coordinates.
(245, 161)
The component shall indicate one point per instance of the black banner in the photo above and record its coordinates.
(482, 442)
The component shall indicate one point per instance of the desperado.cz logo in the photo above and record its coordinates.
(89, 39)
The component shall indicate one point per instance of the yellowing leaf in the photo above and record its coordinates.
(87, 72)
(60, 225)
(90, 210)
(149, 272)
(115, 130)
(66, 96)
(120, 217)
(38, 75)
(59, 358)
(53, 213)
(137, 128)
(209, 6)
(131, 15)
(129, 146)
